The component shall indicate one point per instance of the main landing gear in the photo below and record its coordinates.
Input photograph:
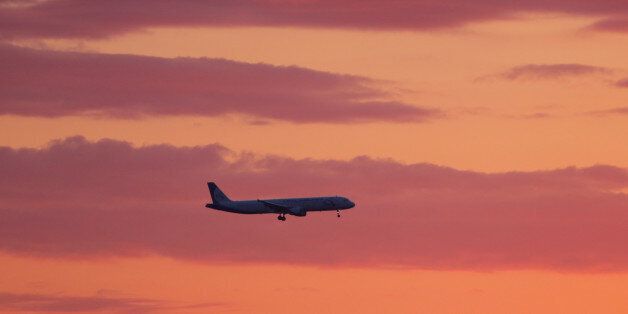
(282, 217)
(338, 212)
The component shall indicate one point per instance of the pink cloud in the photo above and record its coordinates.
(623, 83)
(611, 25)
(74, 18)
(611, 111)
(32, 303)
(551, 71)
(51, 83)
(76, 198)
(56, 303)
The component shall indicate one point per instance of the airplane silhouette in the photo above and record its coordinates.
(282, 206)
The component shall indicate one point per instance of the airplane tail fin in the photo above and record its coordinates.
(218, 197)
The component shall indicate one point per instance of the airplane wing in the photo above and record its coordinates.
(297, 211)
(275, 206)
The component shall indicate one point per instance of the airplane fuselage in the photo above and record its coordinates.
(282, 206)
(262, 207)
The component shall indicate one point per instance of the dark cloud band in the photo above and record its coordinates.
(77, 198)
(95, 19)
(48, 83)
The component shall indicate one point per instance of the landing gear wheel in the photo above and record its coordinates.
(281, 217)
(338, 213)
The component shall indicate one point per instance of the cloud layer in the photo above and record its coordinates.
(77, 198)
(78, 19)
(52, 83)
(33, 303)
(54, 303)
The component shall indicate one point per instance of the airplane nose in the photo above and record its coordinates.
(351, 204)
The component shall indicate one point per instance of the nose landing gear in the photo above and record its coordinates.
(338, 213)
(282, 217)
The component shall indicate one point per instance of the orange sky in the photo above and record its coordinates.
(290, 289)
(489, 125)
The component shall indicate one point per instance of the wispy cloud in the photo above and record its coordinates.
(15, 302)
(77, 198)
(551, 71)
(623, 83)
(611, 25)
(537, 115)
(609, 112)
(53, 83)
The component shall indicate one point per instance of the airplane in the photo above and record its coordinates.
(292, 206)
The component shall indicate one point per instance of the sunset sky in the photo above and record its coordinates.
(484, 143)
